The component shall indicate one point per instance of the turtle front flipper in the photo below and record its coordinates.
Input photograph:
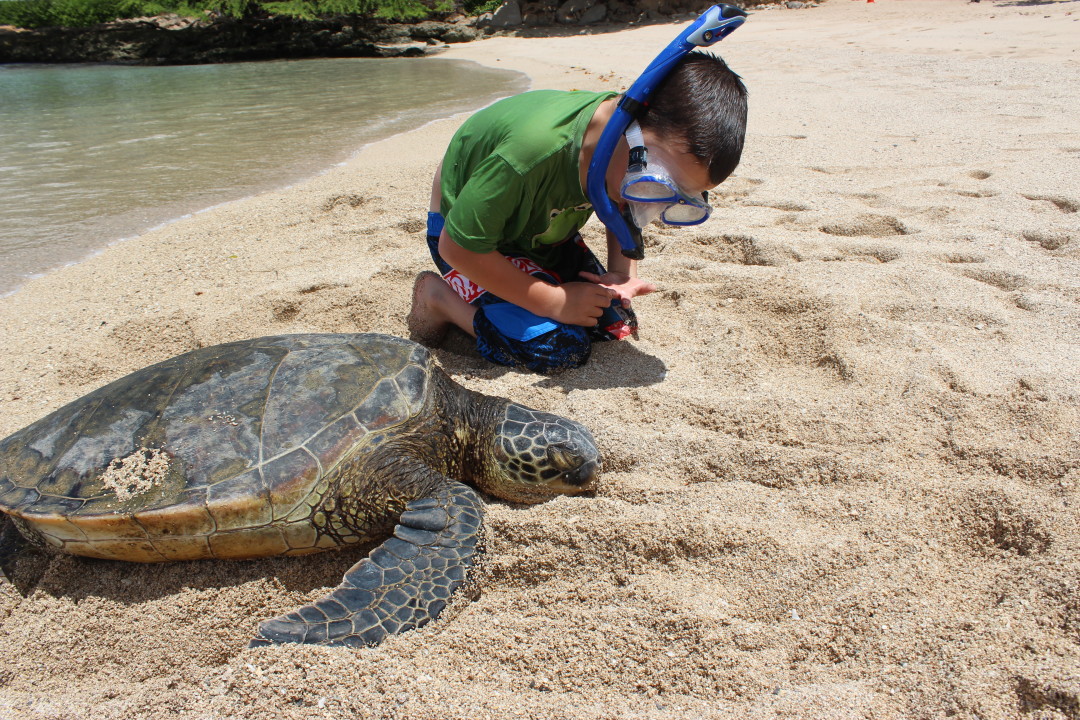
(401, 585)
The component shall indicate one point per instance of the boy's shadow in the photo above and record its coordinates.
(611, 365)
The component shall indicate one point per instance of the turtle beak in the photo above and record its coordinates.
(578, 473)
(584, 475)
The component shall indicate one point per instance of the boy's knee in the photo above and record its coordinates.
(566, 346)
(562, 349)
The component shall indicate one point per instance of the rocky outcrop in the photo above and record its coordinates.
(173, 40)
(170, 40)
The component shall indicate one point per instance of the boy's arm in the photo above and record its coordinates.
(616, 261)
(621, 276)
(575, 303)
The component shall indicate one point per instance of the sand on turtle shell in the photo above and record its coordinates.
(842, 455)
(136, 473)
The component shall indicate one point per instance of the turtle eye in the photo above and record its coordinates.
(563, 459)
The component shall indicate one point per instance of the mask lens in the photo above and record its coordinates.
(646, 189)
(686, 213)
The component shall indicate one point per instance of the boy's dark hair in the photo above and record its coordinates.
(702, 102)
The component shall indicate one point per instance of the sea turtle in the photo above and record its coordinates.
(289, 445)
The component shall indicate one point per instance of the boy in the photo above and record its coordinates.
(511, 187)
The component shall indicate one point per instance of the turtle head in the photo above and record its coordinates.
(537, 455)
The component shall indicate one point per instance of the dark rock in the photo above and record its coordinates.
(595, 14)
(427, 30)
(507, 15)
(175, 41)
(571, 11)
(401, 50)
(460, 33)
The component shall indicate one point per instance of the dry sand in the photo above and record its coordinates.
(842, 456)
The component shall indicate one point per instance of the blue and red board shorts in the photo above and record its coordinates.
(507, 334)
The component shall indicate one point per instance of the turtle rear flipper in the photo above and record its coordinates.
(11, 543)
(403, 584)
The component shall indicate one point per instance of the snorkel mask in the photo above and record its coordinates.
(652, 193)
(667, 201)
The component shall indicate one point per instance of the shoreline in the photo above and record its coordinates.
(840, 473)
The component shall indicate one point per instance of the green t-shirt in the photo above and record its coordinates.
(510, 178)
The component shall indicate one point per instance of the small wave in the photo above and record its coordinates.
(48, 145)
(160, 136)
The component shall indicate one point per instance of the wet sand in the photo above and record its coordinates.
(842, 456)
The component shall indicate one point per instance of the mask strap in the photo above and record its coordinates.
(639, 156)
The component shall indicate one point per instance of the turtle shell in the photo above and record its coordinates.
(220, 452)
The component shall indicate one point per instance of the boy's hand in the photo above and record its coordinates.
(625, 287)
(581, 303)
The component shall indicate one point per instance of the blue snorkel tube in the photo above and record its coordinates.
(714, 25)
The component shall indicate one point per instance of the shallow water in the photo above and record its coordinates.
(93, 153)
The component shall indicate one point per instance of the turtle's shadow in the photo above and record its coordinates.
(612, 365)
(77, 578)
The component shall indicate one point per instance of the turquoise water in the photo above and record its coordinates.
(90, 154)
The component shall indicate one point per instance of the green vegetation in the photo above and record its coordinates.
(80, 13)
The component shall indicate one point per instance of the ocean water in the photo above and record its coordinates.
(91, 154)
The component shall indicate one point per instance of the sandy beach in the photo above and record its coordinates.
(842, 457)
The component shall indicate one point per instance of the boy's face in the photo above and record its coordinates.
(689, 173)
(670, 186)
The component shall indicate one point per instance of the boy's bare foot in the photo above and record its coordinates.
(426, 323)
(435, 308)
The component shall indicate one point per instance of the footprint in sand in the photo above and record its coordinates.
(286, 308)
(412, 225)
(350, 200)
(866, 226)
(1064, 204)
(319, 287)
(963, 258)
(880, 253)
(1057, 699)
(784, 205)
(169, 335)
(992, 523)
(975, 193)
(744, 250)
(972, 192)
(872, 199)
(1047, 240)
(733, 190)
(999, 278)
